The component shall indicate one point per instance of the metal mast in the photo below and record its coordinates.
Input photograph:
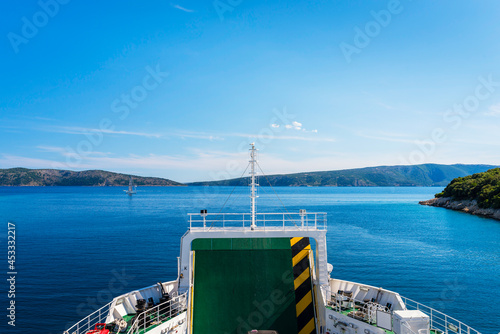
(252, 173)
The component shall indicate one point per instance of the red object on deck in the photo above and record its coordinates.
(99, 329)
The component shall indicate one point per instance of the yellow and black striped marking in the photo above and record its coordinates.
(302, 283)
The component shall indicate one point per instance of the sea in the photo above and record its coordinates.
(78, 247)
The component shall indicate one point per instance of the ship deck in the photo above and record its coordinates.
(248, 283)
(129, 319)
(347, 311)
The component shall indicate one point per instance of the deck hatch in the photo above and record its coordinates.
(243, 284)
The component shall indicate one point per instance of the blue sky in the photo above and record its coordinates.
(178, 89)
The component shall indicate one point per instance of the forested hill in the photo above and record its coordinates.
(382, 176)
(55, 177)
(417, 175)
(484, 188)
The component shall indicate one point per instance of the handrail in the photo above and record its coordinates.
(158, 314)
(88, 323)
(440, 321)
(275, 220)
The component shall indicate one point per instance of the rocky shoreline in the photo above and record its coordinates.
(469, 206)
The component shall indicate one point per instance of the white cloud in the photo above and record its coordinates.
(11, 161)
(183, 134)
(66, 153)
(53, 149)
(182, 8)
(198, 135)
(297, 125)
(384, 136)
(254, 136)
(281, 137)
(493, 110)
(82, 131)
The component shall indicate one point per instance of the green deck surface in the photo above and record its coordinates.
(243, 284)
(128, 317)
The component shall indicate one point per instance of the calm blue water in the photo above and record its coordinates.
(77, 246)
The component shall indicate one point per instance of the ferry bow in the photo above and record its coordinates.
(262, 273)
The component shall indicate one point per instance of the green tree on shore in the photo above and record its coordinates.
(482, 187)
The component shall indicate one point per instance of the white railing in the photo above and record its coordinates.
(158, 314)
(86, 324)
(266, 221)
(439, 321)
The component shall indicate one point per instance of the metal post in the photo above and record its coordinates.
(252, 173)
(203, 214)
(431, 317)
(302, 214)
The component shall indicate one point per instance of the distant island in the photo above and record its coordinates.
(478, 194)
(55, 177)
(426, 175)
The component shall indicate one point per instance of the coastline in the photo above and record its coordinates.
(468, 206)
(91, 186)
